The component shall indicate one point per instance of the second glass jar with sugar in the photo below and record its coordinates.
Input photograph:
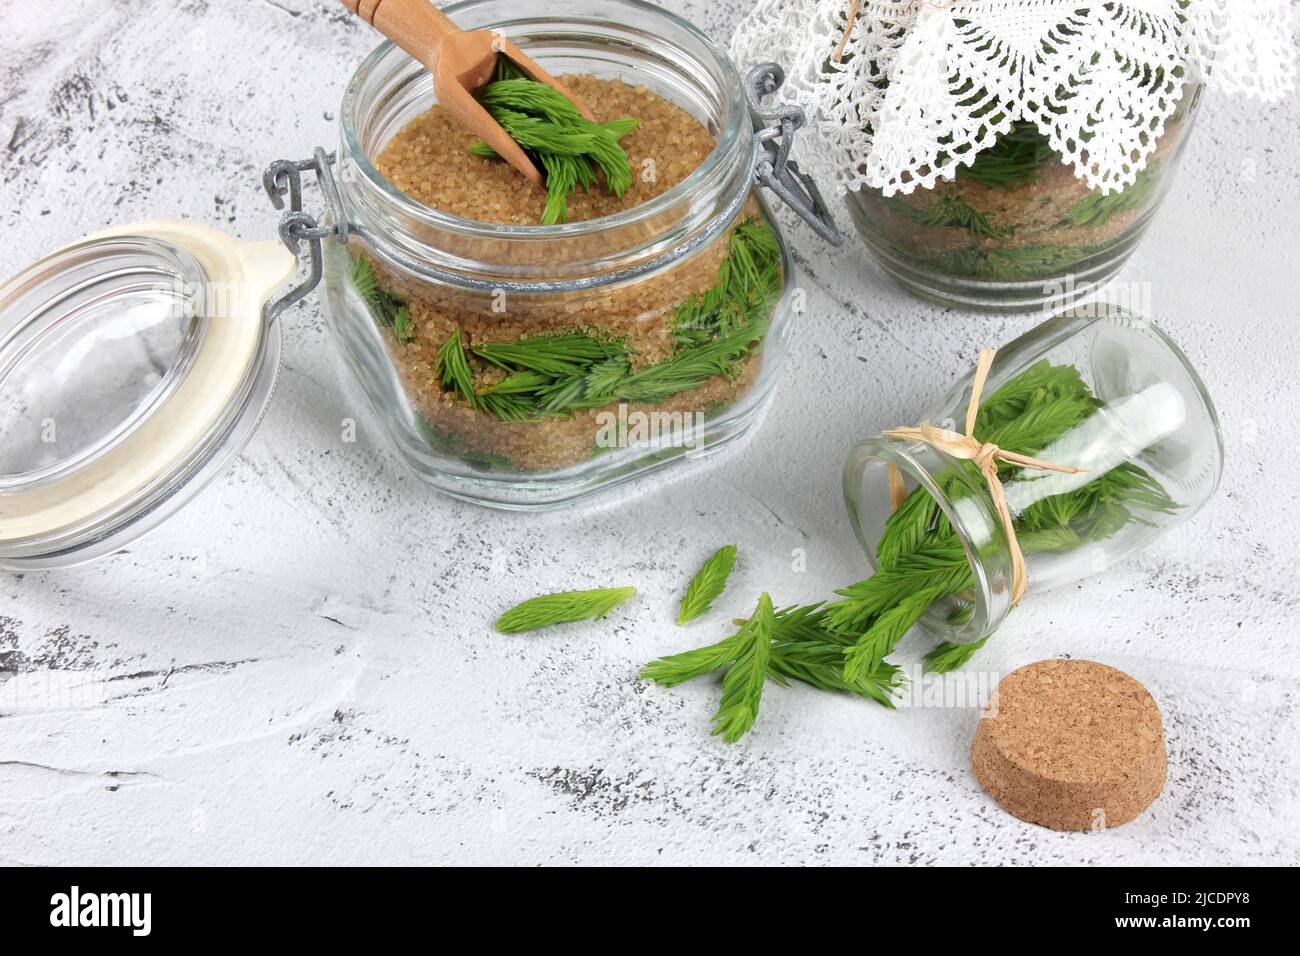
(523, 366)
(1017, 229)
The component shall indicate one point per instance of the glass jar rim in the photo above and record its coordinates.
(731, 95)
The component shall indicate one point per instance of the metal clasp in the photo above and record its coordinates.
(284, 177)
(773, 166)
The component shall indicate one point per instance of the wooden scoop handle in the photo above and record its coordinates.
(417, 26)
(460, 63)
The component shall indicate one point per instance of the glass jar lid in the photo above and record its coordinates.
(133, 365)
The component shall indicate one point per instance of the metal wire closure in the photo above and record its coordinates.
(774, 168)
(769, 158)
(283, 177)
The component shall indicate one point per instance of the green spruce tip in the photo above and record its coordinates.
(803, 648)
(562, 607)
(742, 684)
(453, 368)
(949, 656)
(569, 148)
(707, 585)
(1098, 207)
(558, 375)
(678, 668)
(387, 309)
(865, 655)
(950, 210)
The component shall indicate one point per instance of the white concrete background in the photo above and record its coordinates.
(301, 664)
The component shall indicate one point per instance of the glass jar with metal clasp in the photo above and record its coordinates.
(136, 363)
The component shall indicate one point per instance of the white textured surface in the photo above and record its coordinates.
(301, 663)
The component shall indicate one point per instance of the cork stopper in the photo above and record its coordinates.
(1071, 745)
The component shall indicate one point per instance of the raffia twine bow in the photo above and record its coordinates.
(985, 456)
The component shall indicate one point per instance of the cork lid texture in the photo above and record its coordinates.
(1071, 745)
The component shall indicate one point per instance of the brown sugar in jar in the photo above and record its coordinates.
(428, 161)
(523, 366)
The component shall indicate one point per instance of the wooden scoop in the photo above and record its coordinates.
(460, 63)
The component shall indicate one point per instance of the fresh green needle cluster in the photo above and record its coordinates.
(950, 210)
(1097, 207)
(561, 608)
(1015, 158)
(707, 585)
(571, 149)
(802, 646)
(556, 375)
(1037, 260)
(843, 645)
(387, 309)
(746, 673)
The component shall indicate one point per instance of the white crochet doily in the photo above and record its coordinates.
(1098, 79)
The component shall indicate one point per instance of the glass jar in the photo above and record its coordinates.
(1146, 442)
(1017, 230)
(453, 290)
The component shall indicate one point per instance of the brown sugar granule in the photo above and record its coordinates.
(1071, 745)
(428, 160)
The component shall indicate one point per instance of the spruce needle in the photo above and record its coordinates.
(567, 146)
(742, 685)
(558, 375)
(708, 583)
(453, 369)
(561, 608)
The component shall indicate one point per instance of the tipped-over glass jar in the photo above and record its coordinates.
(523, 366)
(1017, 229)
(1097, 390)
